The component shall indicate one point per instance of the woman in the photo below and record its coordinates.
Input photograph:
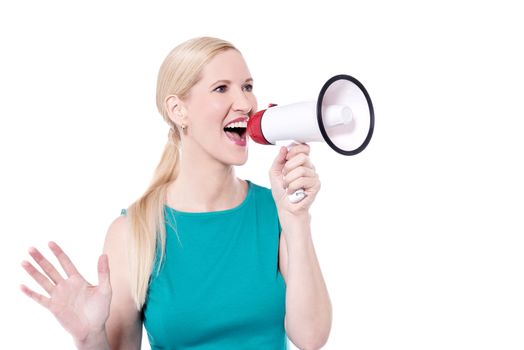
(203, 259)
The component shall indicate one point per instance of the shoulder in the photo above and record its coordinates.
(120, 224)
(261, 191)
(265, 204)
(262, 195)
(117, 232)
(116, 246)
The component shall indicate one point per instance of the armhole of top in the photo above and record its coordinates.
(123, 212)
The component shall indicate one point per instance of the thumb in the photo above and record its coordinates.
(103, 274)
(279, 161)
(275, 172)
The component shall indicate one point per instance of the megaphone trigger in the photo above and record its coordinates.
(297, 196)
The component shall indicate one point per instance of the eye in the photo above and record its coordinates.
(248, 87)
(221, 88)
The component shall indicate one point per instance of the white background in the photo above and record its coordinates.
(420, 237)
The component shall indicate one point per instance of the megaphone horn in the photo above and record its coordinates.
(342, 116)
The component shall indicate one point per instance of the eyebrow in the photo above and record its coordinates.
(223, 81)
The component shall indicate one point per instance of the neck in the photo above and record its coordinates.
(205, 185)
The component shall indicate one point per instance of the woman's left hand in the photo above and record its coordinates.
(293, 170)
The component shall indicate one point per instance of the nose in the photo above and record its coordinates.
(241, 102)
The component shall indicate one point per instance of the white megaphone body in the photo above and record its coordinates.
(342, 116)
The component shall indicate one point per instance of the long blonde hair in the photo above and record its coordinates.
(178, 73)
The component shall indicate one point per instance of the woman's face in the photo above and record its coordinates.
(222, 95)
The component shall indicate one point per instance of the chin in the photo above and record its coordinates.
(239, 162)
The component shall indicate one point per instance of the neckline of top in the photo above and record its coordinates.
(217, 212)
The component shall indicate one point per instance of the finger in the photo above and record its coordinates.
(305, 183)
(298, 173)
(63, 259)
(104, 281)
(39, 298)
(48, 268)
(39, 277)
(299, 160)
(297, 149)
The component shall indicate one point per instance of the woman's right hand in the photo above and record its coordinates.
(81, 308)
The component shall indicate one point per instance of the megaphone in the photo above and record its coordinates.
(342, 117)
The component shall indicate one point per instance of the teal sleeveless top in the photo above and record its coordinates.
(219, 285)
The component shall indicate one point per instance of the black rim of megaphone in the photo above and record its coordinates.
(321, 122)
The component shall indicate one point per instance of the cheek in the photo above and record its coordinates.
(206, 107)
(254, 103)
(218, 108)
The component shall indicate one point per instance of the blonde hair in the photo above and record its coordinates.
(178, 73)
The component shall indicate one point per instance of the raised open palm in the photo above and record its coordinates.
(81, 308)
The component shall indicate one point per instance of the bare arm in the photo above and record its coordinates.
(124, 325)
(308, 306)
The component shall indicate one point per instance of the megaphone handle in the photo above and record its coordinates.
(300, 193)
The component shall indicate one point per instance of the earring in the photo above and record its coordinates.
(184, 126)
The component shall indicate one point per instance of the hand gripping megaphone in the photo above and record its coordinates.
(342, 116)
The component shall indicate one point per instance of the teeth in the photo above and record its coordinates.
(237, 125)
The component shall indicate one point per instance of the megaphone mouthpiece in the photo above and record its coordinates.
(254, 128)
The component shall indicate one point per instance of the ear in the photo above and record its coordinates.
(175, 110)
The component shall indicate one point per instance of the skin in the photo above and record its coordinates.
(105, 316)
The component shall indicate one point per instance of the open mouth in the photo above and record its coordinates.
(236, 132)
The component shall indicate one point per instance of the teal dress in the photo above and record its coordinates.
(219, 286)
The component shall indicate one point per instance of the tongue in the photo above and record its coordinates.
(233, 136)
